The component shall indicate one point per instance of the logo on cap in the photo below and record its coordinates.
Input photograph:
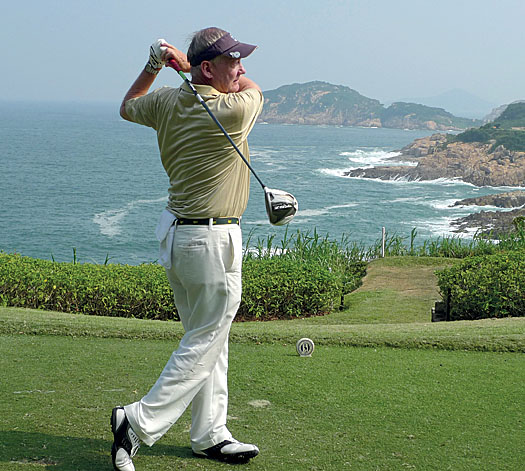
(235, 54)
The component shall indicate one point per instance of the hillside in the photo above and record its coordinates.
(320, 103)
(324, 103)
(507, 130)
(415, 116)
(496, 112)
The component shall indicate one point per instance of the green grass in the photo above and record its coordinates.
(344, 408)
(449, 396)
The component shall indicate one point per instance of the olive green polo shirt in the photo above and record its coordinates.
(207, 176)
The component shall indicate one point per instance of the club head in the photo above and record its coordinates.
(281, 207)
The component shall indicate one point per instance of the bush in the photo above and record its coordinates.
(485, 286)
(308, 251)
(283, 288)
(104, 290)
(286, 286)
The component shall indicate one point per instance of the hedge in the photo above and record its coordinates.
(273, 288)
(485, 286)
(279, 287)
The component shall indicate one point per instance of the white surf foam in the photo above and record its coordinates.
(335, 172)
(304, 215)
(442, 227)
(110, 221)
(371, 158)
(307, 213)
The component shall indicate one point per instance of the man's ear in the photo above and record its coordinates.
(206, 70)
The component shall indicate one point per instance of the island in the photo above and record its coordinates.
(322, 103)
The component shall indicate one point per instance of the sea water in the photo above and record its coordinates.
(77, 179)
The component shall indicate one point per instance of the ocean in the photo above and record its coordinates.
(77, 180)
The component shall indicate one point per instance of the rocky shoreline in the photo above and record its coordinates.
(511, 199)
(468, 162)
(497, 222)
(488, 222)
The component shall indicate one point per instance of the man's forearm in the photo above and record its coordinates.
(245, 83)
(140, 87)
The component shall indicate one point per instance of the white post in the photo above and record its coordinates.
(383, 243)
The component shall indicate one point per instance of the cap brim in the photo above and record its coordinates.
(240, 51)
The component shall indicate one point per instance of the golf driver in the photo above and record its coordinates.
(281, 206)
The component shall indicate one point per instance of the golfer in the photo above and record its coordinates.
(200, 239)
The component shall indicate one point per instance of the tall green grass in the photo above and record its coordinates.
(311, 246)
(450, 246)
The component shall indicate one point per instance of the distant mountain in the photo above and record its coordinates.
(416, 116)
(324, 103)
(458, 102)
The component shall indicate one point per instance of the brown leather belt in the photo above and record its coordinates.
(206, 222)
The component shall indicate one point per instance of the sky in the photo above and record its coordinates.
(92, 50)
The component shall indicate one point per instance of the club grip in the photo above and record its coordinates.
(173, 64)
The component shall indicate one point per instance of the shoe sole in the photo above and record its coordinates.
(237, 458)
(114, 448)
(113, 421)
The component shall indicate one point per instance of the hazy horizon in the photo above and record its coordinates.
(91, 52)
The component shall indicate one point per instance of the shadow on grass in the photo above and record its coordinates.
(70, 453)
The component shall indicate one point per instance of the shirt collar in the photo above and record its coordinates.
(207, 90)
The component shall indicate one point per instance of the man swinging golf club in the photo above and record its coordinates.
(200, 237)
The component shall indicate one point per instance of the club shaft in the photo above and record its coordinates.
(175, 66)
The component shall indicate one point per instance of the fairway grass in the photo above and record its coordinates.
(343, 408)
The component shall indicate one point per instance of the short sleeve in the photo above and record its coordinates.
(144, 109)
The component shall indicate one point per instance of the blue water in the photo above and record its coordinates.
(78, 177)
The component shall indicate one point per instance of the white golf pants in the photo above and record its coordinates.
(205, 275)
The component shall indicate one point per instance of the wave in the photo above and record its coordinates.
(110, 221)
(370, 158)
(448, 205)
(257, 222)
(307, 213)
(304, 215)
(404, 179)
(442, 227)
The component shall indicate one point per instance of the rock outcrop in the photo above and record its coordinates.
(489, 222)
(470, 162)
(495, 222)
(511, 199)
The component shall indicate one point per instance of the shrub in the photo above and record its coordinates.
(283, 288)
(344, 259)
(273, 287)
(485, 286)
(105, 290)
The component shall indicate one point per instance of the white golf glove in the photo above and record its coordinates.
(155, 63)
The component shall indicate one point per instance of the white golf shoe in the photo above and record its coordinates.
(231, 451)
(125, 442)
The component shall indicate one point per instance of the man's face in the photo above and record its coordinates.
(226, 72)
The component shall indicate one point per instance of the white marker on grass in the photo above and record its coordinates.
(305, 347)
